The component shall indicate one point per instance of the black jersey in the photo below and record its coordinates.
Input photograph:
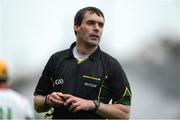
(98, 77)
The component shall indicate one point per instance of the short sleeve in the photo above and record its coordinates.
(45, 84)
(120, 88)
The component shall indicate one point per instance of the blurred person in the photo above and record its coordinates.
(79, 82)
(12, 104)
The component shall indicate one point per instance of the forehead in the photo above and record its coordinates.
(89, 15)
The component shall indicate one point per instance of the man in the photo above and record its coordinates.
(12, 104)
(79, 82)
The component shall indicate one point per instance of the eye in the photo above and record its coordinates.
(101, 25)
(90, 22)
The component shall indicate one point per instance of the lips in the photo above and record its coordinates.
(94, 36)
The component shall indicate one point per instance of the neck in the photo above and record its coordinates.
(84, 49)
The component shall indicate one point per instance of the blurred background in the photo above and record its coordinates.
(144, 35)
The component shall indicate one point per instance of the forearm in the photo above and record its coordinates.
(39, 104)
(115, 111)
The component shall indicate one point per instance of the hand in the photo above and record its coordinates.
(55, 99)
(76, 104)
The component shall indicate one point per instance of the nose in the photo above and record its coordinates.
(96, 27)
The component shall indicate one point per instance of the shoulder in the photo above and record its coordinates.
(111, 64)
(108, 59)
(17, 97)
(60, 55)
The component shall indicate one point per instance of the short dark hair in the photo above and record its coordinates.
(80, 14)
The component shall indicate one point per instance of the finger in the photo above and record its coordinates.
(76, 109)
(57, 97)
(59, 94)
(66, 96)
(54, 95)
(73, 105)
(56, 102)
(69, 101)
(63, 98)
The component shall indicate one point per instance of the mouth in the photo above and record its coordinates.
(93, 36)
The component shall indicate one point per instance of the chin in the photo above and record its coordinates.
(93, 43)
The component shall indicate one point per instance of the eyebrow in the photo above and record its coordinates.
(102, 23)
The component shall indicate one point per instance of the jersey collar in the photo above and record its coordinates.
(94, 56)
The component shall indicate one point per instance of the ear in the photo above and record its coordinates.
(76, 28)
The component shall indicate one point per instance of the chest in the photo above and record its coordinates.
(85, 79)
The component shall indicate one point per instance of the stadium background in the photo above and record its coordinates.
(144, 35)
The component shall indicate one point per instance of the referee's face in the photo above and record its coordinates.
(90, 31)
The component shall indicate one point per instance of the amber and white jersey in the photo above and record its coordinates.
(14, 106)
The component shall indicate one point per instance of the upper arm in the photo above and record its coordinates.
(45, 85)
(120, 88)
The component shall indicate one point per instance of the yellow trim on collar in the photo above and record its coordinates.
(80, 61)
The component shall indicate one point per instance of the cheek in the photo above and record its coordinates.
(85, 31)
(101, 32)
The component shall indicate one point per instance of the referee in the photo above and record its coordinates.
(79, 82)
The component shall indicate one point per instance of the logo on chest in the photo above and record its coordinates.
(59, 81)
